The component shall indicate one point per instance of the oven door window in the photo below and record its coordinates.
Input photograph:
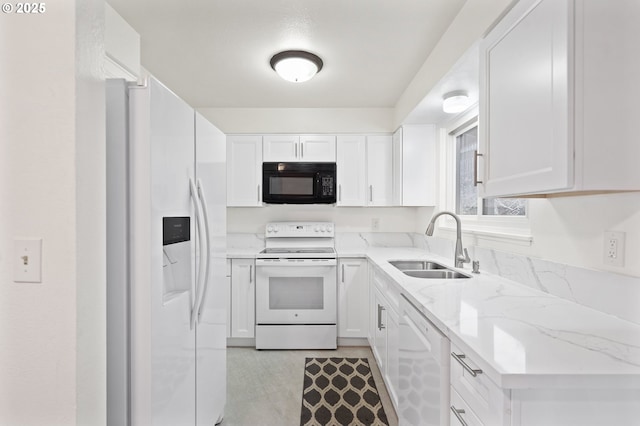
(296, 293)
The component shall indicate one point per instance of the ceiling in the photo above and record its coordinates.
(215, 53)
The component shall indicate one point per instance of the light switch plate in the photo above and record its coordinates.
(27, 264)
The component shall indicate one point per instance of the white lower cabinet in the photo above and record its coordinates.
(353, 289)
(412, 354)
(489, 404)
(461, 413)
(243, 296)
(384, 335)
(477, 400)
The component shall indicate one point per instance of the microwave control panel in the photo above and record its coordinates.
(327, 186)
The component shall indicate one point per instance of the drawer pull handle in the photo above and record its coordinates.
(459, 358)
(380, 325)
(458, 413)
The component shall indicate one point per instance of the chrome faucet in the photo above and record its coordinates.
(461, 255)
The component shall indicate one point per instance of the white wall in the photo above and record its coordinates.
(52, 187)
(311, 120)
(471, 23)
(570, 229)
(301, 120)
(347, 219)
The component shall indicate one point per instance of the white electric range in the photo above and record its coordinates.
(296, 287)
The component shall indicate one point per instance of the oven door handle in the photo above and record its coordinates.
(278, 263)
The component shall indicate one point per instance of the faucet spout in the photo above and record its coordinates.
(461, 255)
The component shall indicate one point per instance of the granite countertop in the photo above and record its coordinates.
(524, 338)
(519, 336)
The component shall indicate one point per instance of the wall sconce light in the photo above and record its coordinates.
(296, 65)
(454, 102)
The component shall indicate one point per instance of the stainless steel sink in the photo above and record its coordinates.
(412, 265)
(442, 274)
(427, 269)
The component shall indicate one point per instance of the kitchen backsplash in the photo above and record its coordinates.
(607, 292)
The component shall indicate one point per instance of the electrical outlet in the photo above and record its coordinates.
(375, 224)
(614, 248)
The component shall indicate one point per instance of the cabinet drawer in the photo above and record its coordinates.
(391, 293)
(465, 413)
(485, 398)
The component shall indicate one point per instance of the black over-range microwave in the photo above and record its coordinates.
(299, 183)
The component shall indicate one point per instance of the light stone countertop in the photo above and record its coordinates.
(524, 338)
(520, 337)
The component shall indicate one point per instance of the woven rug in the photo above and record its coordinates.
(340, 391)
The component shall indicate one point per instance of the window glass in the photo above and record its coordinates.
(467, 200)
(466, 191)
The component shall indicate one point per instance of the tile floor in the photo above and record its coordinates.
(264, 388)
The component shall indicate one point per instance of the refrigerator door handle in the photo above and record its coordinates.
(207, 235)
(199, 231)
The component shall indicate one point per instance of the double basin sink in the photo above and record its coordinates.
(427, 269)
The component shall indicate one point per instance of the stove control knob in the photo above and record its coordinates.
(269, 229)
(323, 228)
(329, 228)
(317, 228)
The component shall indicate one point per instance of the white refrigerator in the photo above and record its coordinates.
(166, 250)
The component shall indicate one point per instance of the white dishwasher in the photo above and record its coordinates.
(423, 389)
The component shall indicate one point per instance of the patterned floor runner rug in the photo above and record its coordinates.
(340, 391)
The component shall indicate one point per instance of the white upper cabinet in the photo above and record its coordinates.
(559, 88)
(303, 148)
(351, 170)
(244, 170)
(321, 148)
(364, 170)
(379, 170)
(280, 148)
(414, 166)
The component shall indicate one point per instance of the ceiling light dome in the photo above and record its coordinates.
(454, 102)
(296, 65)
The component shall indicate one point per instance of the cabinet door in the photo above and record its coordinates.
(244, 171)
(380, 331)
(353, 290)
(243, 313)
(418, 165)
(351, 170)
(527, 131)
(281, 148)
(379, 170)
(392, 372)
(397, 167)
(320, 148)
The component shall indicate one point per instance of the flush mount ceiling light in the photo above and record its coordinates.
(454, 102)
(296, 65)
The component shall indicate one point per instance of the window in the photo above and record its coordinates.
(498, 219)
(467, 201)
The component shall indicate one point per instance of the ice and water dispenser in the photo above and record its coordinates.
(176, 256)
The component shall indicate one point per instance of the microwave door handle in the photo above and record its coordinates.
(301, 150)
